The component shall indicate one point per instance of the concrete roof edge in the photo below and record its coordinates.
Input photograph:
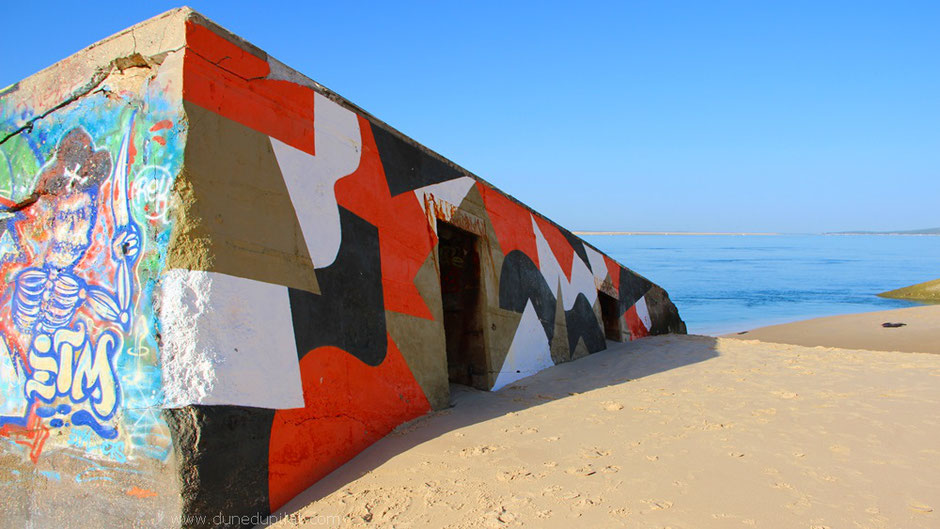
(88, 51)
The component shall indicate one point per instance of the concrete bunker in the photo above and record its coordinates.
(265, 275)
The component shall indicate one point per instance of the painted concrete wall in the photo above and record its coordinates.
(258, 281)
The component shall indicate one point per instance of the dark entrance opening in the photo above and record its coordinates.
(460, 294)
(609, 309)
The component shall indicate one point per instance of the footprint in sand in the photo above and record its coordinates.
(658, 505)
(610, 469)
(586, 503)
(622, 512)
(707, 426)
(478, 450)
(594, 453)
(584, 471)
(552, 438)
(786, 394)
(839, 449)
(611, 405)
(512, 475)
(764, 411)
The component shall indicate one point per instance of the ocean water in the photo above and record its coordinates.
(731, 283)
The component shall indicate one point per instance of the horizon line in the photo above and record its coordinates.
(586, 232)
(744, 233)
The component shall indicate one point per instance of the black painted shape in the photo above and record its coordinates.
(582, 323)
(223, 463)
(406, 166)
(663, 313)
(520, 281)
(632, 288)
(349, 312)
(577, 245)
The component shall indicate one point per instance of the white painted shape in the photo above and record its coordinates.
(582, 280)
(642, 311)
(282, 72)
(598, 264)
(548, 264)
(529, 353)
(7, 246)
(12, 399)
(452, 191)
(227, 341)
(311, 179)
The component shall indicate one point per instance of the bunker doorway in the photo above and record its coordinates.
(609, 310)
(460, 296)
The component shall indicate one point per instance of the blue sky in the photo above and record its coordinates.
(693, 116)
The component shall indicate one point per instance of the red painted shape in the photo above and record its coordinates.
(131, 148)
(160, 139)
(637, 329)
(347, 406)
(160, 125)
(560, 246)
(614, 270)
(138, 492)
(227, 55)
(32, 436)
(221, 77)
(511, 221)
(405, 239)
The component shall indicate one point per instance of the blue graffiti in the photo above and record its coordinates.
(65, 361)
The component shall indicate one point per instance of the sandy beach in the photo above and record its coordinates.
(670, 431)
(919, 334)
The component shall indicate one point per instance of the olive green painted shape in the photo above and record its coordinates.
(233, 212)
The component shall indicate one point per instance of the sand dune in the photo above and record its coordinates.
(672, 431)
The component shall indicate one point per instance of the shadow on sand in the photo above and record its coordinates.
(619, 364)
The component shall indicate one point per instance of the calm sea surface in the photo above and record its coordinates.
(731, 283)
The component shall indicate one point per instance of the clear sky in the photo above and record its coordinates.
(694, 116)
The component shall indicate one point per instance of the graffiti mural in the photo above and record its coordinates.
(83, 201)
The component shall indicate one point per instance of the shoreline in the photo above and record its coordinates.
(858, 331)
